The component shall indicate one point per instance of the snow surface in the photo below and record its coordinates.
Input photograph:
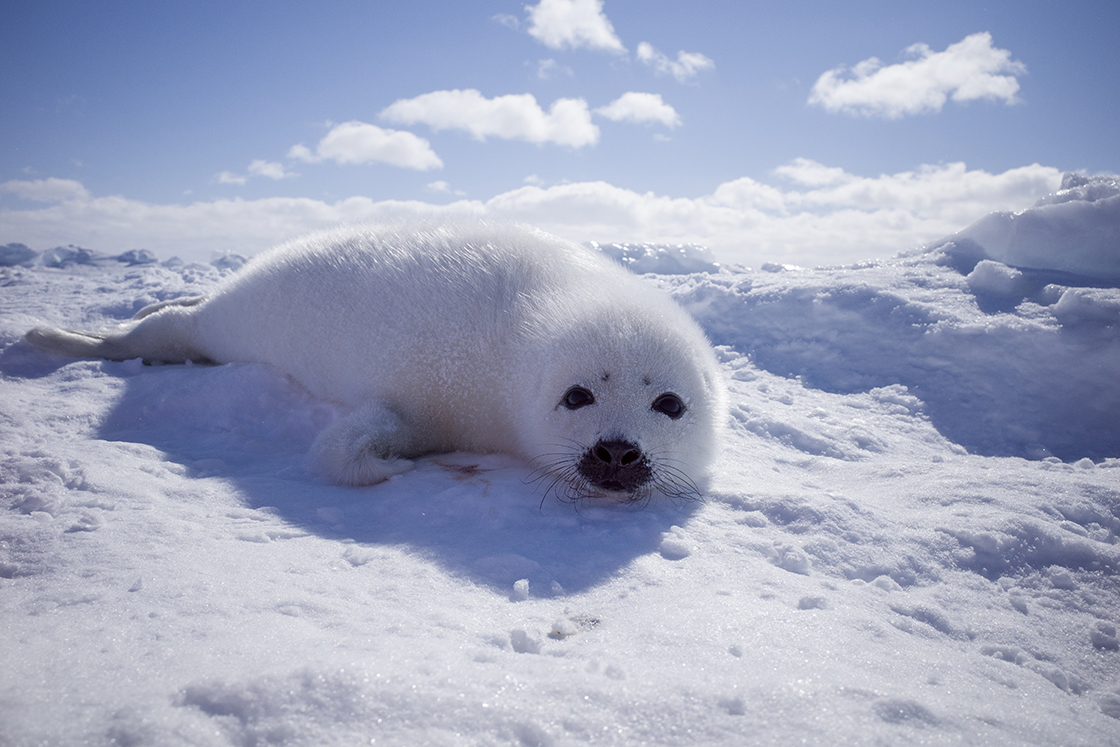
(912, 536)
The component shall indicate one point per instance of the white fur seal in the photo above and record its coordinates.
(467, 337)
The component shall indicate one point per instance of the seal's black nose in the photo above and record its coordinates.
(616, 466)
(616, 452)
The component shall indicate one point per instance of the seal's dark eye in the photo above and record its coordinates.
(577, 397)
(669, 404)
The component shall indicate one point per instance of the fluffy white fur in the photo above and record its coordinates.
(454, 337)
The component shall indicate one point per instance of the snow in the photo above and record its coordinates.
(1076, 230)
(677, 259)
(912, 536)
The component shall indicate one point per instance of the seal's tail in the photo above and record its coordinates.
(163, 332)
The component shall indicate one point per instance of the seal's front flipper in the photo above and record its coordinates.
(184, 301)
(364, 447)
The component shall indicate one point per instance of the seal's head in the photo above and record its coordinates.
(624, 407)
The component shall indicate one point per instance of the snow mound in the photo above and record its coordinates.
(16, 254)
(1003, 361)
(21, 255)
(663, 259)
(1074, 230)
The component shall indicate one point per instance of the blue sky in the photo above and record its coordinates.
(760, 129)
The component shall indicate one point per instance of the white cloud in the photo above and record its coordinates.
(511, 117)
(946, 193)
(228, 177)
(259, 167)
(271, 169)
(968, 70)
(507, 20)
(561, 24)
(686, 66)
(812, 174)
(46, 190)
(640, 108)
(851, 219)
(197, 231)
(443, 187)
(550, 69)
(359, 142)
(303, 153)
(827, 216)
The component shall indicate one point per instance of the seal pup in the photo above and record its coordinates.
(473, 337)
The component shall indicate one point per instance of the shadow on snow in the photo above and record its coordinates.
(481, 517)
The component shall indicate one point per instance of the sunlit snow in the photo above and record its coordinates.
(912, 536)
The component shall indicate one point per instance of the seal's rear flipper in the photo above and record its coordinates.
(162, 332)
(69, 343)
(116, 345)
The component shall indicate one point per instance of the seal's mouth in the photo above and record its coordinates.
(615, 467)
(599, 496)
(611, 492)
(615, 471)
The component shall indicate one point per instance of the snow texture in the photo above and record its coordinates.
(912, 536)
